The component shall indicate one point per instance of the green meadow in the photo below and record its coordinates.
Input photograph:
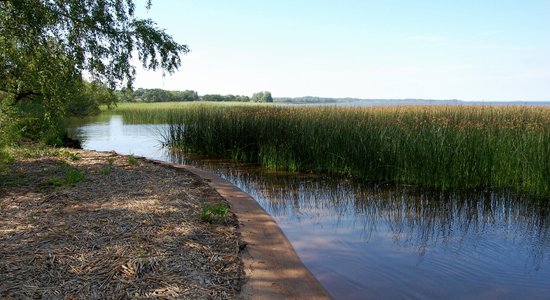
(436, 147)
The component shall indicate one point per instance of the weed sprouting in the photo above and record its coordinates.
(69, 154)
(132, 160)
(74, 176)
(5, 158)
(108, 168)
(55, 181)
(211, 212)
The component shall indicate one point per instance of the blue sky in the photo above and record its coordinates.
(470, 50)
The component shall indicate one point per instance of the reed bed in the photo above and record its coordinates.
(439, 147)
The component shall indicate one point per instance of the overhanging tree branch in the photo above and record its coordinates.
(100, 36)
(46, 46)
(23, 95)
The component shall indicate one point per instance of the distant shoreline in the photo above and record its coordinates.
(373, 102)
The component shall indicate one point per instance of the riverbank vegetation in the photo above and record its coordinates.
(438, 147)
(62, 58)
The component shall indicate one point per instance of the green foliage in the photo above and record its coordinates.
(132, 160)
(262, 97)
(160, 95)
(440, 147)
(225, 98)
(74, 176)
(210, 212)
(37, 86)
(157, 95)
(92, 95)
(107, 169)
(47, 46)
(8, 130)
(5, 157)
(55, 181)
(69, 154)
(26, 150)
(99, 37)
(12, 179)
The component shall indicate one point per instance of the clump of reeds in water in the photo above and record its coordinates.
(441, 147)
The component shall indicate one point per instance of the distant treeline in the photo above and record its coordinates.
(157, 95)
(160, 95)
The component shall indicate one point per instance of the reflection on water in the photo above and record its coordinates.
(106, 134)
(382, 242)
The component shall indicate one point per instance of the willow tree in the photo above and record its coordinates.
(48, 46)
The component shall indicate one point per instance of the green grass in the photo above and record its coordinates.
(12, 180)
(32, 150)
(108, 168)
(74, 176)
(58, 172)
(132, 160)
(55, 181)
(211, 212)
(5, 156)
(68, 154)
(438, 147)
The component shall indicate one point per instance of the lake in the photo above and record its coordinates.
(376, 241)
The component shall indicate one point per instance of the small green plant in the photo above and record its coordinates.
(5, 157)
(210, 212)
(34, 150)
(31, 219)
(132, 160)
(12, 179)
(107, 169)
(69, 154)
(55, 181)
(74, 176)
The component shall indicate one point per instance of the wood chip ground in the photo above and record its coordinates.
(130, 229)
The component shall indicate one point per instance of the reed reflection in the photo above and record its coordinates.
(417, 221)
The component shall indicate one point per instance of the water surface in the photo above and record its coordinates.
(372, 242)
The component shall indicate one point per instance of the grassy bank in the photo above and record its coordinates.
(441, 147)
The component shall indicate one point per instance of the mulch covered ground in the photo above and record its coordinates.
(88, 225)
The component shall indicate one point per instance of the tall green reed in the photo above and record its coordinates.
(440, 147)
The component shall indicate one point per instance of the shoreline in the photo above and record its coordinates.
(98, 225)
(272, 267)
(131, 227)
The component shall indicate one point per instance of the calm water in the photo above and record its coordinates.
(373, 242)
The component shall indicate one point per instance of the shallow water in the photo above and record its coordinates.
(372, 242)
